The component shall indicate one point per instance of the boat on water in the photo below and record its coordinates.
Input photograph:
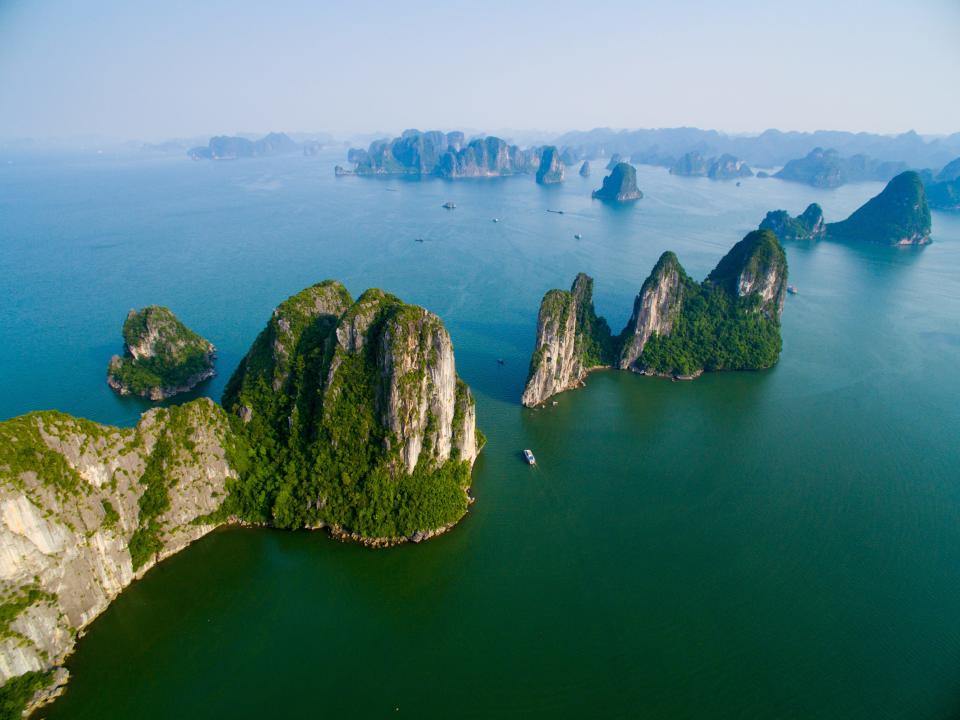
(449, 205)
(558, 212)
(528, 456)
(418, 239)
(792, 289)
(578, 236)
(496, 219)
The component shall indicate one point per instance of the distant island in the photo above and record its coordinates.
(899, 215)
(448, 155)
(808, 225)
(620, 186)
(826, 169)
(346, 415)
(550, 171)
(226, 147)
(679, 327)
(943, 191)
(725, 167)
(162, 356)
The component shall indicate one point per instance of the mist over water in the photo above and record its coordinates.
(772, 544)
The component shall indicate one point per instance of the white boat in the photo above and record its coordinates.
(449, 205)
(578, 236)
(791, 289)
(528, 456)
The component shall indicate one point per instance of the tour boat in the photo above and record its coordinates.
(528, 456)
(791, 289)
(449, 205)
(578, 236)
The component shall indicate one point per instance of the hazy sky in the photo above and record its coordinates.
(130, 69)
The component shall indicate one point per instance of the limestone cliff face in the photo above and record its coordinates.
(693, 164)
(422, 154)
(571, 340)
(551, 169)
(585, 169)
(74, 526)
(755, 269)
(620, 186)
(361, 393)
(655, 309)
(808, 225)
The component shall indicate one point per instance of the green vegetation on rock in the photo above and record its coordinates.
(162, 355)
(316, 393)
(19, 690)
(808, 225)
(899, 215)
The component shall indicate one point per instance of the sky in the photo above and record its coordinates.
(126, 69)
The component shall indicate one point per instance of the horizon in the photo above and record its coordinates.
(122, 73)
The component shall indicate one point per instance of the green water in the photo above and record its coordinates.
(783, 544)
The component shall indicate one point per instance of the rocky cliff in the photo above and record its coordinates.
(585, 169)
(808, 225)
(944, 195)
(85, 509)
(362, 414)
(162, 356)
(551, 169)
(422, 154)
(571, 340)
(620, 186)
(899, 215)
(679, 328)
(728, 167)
(655, 310)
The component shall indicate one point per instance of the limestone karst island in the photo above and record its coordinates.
(505, 361)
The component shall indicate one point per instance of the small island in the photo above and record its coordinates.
(620, 186)
(162, 356)
(550, 171)
(585, 169)
(808, 225)
(679, 328)
(943, 192)
(899, 215)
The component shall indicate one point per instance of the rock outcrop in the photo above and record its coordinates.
(226, 147)
(85, 509)
(899, 215)
(585, 169)
(728, 167)
(365, 390)
(422, 154)
(950, 171)
(826, 169)
(655, 309)
(620, 186)
(551, 169)
(809, 225)
(162, 356)
(679, 328)
(571, 341)
(693, 164)
(615, 159)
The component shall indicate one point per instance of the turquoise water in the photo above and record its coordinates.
(778, 544)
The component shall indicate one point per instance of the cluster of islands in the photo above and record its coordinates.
(348, 414)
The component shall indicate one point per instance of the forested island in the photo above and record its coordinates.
(162, 356)
(899, 215)
(679, 328)
(346, 415)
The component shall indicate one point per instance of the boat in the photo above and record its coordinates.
(418, 240)
(528, 456)
(558, 212)
(496, 219)
(578, 236)
(499, 361)
(449, 205)
(791, 289)
(738, 183)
